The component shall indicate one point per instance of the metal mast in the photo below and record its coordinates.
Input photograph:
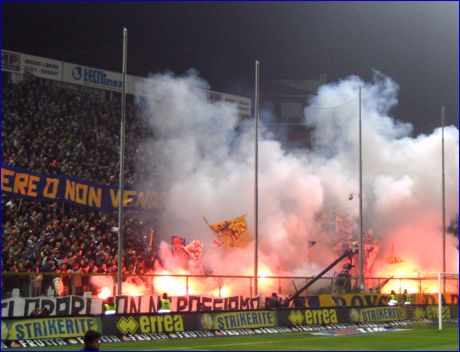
(121, 187)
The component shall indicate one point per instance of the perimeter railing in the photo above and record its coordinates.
(58, 284)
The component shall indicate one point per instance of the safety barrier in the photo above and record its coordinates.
(137, 326)
(51, 284)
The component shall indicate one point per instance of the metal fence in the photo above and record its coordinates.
(53, 284)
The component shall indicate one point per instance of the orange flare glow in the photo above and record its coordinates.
(399, 287)
(174, 286)
(133, 290)
(105, 293)
(225, 291)
(266, 284)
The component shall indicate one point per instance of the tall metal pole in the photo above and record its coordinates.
(256, 188)
(361, 274)
(121, 187)
(443, 203)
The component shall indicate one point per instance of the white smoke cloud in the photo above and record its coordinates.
(401, 174)
(204, 161)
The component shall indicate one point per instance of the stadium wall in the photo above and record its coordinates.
(20, 63)
(163, 326)
(84, 306)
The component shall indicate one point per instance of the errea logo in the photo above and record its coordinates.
(296, 317)
(127, 325)
(4, 331)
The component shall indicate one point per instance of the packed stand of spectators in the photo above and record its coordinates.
(52, 129)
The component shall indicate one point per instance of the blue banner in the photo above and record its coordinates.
(62, 188)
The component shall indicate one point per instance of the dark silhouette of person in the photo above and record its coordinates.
(92, 340)
(273, 302)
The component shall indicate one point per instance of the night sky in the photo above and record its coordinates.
(415, 43)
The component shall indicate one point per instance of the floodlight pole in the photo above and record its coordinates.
(443, 202)
(361, 269)
(121, 186)
(256, 188)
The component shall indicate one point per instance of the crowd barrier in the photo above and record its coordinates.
(163, 325)
(153, 284)
(77, 305)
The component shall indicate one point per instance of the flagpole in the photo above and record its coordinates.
(207, 251)
(443, 202)
(361, 269)
(122, 167)
(205, 257)
(256, 188)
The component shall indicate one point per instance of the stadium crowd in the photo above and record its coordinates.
(53, 129)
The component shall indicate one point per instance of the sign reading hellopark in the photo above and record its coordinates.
(92, 77)
(97, 78)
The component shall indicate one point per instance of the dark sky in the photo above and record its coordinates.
(415, 43)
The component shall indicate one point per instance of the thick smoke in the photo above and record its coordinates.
(203, 159)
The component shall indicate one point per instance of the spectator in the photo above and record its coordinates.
(36, 281)
(92, 340)
(77, 279)
(273, 301)
(284, 303)
(44, 129)
(37, 312)
(393, 299)
(110, 306)
(407, 298)
(165, 306)
(343, 280)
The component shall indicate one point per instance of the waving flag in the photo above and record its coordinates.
(393, 258)
(177, 243)
(178, 250)
(231, 233)
(195, 249)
